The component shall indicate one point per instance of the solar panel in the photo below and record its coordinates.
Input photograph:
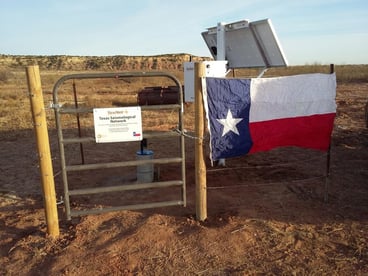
(248, 44)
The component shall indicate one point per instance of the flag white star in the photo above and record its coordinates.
(229, 123)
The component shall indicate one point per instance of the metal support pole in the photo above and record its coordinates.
(78, 121)
(221, 43)
(221, 55)
(327, 180)
(328, 161)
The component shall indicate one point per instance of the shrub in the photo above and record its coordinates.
(5, 75)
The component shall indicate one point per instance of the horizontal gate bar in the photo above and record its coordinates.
(80, 110)
(74, 213)
(122, 164)
(145, 135)
(127, 187)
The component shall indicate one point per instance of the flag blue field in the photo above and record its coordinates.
(228, 115)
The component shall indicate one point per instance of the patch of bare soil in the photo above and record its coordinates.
(266, 213)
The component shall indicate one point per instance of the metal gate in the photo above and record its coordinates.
(76, 110)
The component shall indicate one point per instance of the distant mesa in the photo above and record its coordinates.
(102, 63)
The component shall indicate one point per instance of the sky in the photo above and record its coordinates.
(310, 32)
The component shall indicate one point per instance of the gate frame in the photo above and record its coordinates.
(59, 110)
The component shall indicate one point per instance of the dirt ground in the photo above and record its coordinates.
(266, 213)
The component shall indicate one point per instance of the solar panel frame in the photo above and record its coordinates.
(248, 44)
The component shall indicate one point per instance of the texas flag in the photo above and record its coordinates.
(251, 115)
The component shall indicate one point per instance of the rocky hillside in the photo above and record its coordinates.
(76, 63)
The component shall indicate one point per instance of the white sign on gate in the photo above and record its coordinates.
(121, 124)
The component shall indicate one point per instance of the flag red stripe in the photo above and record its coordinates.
(306, 131)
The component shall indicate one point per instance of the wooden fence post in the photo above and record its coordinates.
(200, 166)
(43, 147)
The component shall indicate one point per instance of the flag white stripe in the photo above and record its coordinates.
(292, 96)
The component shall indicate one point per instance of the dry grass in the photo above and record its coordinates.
(263, 230)
(16, 115)
(15, 112)
(344, 73)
